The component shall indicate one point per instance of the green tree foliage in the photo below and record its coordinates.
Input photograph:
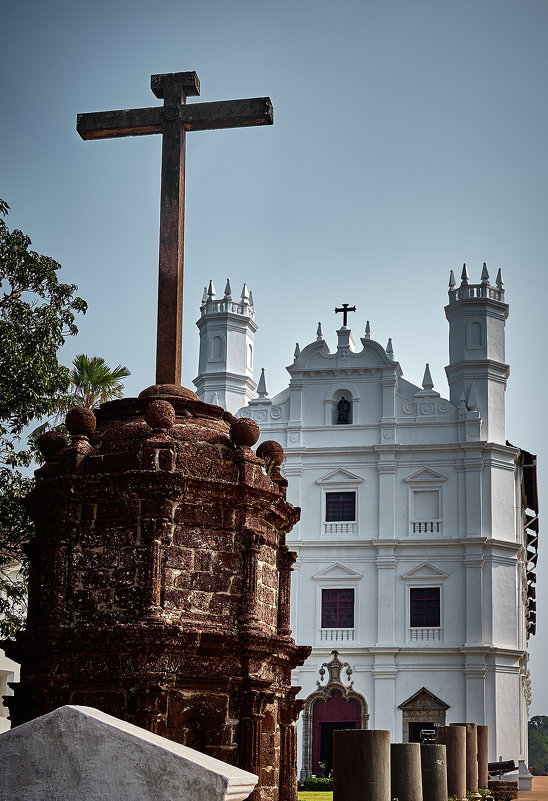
(92, 382)
(538, 745)
(37, 313)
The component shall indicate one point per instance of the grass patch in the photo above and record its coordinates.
(315, 795)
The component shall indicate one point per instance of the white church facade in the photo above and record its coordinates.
(413, 581)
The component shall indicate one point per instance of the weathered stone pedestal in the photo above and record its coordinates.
(471, 756)
(361, 765)
(159, 582)
(483, 756)
(405, 771)
(434, 772)
(454, 739)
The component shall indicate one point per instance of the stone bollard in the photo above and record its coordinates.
(471, 756)
(361, 765)
(434, 772)
(454, 739)
(405, 771)
(483, 750)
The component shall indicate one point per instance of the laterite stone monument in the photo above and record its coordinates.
(159, 575)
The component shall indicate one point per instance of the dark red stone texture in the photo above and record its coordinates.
(502, 790)
(159, 584)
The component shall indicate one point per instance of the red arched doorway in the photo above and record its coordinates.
(328, 715)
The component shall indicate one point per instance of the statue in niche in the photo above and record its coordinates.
(343, 412)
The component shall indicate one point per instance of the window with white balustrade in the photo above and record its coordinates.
(339, 503)
(425, 493)
(424, 614)
(337, 615)
(426, 512)
(340, 512)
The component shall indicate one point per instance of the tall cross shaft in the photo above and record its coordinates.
(173, 120)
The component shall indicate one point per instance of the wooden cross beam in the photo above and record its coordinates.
(173, 120)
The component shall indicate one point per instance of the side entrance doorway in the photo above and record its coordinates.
(335, 705)
(328, 716)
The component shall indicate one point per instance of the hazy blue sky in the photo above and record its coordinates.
(410, 136)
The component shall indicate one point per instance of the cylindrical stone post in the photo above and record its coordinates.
(361, 765)
(405, 771)
(454, 739)
(471, 756)
(483, 756)
(434, 772)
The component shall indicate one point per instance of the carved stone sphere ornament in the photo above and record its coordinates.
(160, 414)
(271, 451)
(81, 421)
(244, 432)
(51, 442)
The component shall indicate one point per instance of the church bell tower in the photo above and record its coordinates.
(477, 372)
(227, 340)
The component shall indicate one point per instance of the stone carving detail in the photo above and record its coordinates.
(159, 572)
(276, 412)
(324, 693)
(440, 407)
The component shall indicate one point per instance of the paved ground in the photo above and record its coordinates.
(539, 791)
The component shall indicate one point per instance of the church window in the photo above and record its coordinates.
(340, 506)
(425, 607)
(337, 609)
(426, 516)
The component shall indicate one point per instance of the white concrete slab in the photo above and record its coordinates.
(78, 753)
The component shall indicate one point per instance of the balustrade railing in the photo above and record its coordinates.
(345, 527)
(425, 526)
(337, 635)
(476, 291)
(429, 634)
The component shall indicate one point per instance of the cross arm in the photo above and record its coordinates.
(227, 114)
(194, 117)
(129, 122)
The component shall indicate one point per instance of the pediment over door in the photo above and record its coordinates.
(424, 699)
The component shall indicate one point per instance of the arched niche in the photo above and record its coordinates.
(333, 398)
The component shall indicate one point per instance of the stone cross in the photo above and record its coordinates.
(173, 120)
(345, 309)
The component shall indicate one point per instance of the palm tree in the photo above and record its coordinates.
(92, 382)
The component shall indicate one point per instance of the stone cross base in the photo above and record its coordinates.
(77, 753)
